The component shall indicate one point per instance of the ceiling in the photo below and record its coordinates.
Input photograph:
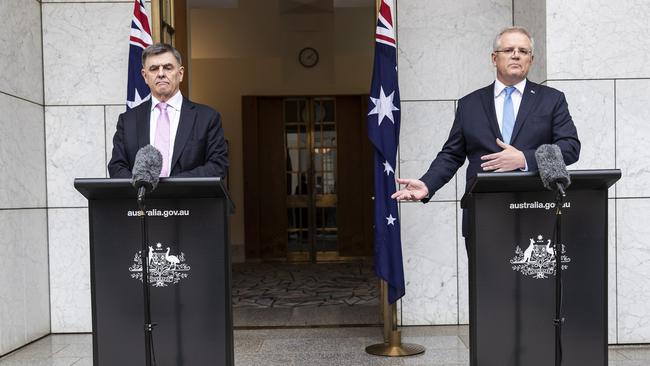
(287, 3)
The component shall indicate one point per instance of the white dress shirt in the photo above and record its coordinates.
(174, 112)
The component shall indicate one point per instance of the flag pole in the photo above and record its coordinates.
(392, 346)
(384, 107)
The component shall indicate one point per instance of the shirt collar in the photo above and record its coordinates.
(499, 86)
(175, 102)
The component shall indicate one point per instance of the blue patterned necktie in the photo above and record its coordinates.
(508, 122)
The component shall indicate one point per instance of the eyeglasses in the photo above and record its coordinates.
(511, 51)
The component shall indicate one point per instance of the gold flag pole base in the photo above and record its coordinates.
(395, 347)
(392, 346)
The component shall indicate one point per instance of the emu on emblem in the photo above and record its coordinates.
(164, 269)
(538, 259)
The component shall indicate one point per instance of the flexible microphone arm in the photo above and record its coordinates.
(142, 190)
(552, 171)
(560, 189)
(146, 172)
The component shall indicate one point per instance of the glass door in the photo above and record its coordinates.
(310, 145)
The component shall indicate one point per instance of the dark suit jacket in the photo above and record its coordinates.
(543, 118)
(199, 149)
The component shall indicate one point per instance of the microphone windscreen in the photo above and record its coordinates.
(552, 168)
(146, 168)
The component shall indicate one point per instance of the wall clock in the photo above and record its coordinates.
(308, 57)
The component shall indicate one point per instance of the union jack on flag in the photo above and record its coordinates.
(383, 131)
(140, 38)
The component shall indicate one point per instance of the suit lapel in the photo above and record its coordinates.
(528, 101)
(142, 118)
(487, 97)
(185, 127)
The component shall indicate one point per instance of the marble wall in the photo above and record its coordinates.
(607, 91)
(579, 51)
(84, 92)
(440, 41)
(595, 39)
(632, 214)
(24, 292)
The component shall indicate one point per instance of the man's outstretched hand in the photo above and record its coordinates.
(414, 190)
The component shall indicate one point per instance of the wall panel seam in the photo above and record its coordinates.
(427, 100)
(596, 79)
(86, 105)
(21, 98)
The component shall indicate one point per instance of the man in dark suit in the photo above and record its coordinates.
(188, 135)
(499, 127)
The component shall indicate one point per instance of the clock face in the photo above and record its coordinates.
(308, 57)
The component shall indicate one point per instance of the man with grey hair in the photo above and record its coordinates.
(499, 127)
(188, 135)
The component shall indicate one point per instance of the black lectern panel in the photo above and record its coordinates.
(101, 188)
(189, 270)
(512, 273)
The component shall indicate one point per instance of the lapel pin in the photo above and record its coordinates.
(532, 92)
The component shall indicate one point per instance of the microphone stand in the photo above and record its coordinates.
(144, 257)
(558, 321)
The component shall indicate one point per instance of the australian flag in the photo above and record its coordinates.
(383, 130)
(140, 38)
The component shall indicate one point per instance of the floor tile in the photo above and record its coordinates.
(340, 346)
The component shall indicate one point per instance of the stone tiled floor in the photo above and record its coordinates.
(290, 285)
(306, 346)
(273, 307)
(304, 294)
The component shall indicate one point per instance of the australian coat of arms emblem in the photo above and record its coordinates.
(538, 259)
(164, 268)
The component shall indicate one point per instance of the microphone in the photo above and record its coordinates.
(146, 170)
(552, 168)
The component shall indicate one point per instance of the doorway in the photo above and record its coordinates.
(248, 62)
(310, 142)
(320, 209)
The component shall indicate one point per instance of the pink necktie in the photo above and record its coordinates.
(161, 141)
